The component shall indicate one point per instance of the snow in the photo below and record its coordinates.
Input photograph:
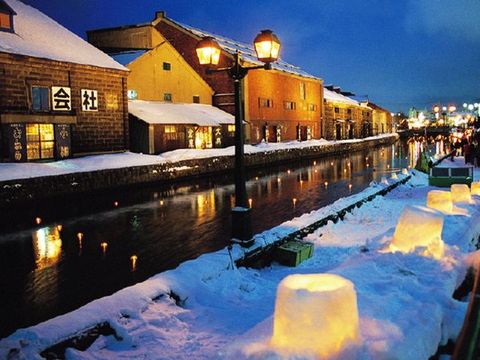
(39, 36)
(404, 301)
(12, 171)
(157, 112)
(339, 98)
(247, 51)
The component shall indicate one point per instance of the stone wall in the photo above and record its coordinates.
(43, 187)
(101, 131)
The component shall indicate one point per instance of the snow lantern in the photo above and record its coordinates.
(316, 314)
(419, 227)
(404, 171)
(440, 200)
(460, 193)
(394, 176)
(475, 188)
(384, 180)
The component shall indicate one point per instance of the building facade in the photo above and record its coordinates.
(60, 96)
(280, 104)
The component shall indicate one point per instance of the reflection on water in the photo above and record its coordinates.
(112, 240)
(47, 246)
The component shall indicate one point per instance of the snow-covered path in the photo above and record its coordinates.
(404, 300)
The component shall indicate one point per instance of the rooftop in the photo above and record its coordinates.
(39, 36)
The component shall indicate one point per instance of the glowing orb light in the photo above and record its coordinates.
(316, 314)
(460, 193)
(419, 227)
(394, 176)
(475, 188)
(440, 200)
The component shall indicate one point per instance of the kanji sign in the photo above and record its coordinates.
(61, 98)
(89, 99)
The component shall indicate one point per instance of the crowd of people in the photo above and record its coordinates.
(470, 146)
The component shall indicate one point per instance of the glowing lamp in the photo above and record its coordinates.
(267, 46)
(452, 108)
(419, 227)
(208, 51)
(404, 171)
(440, 200)
(436, 109)
(394, 176)
(315, 314)
(460, 193)
(475, 188)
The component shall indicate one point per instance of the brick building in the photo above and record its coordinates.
(382, 121)
(60, 95)
(281, 104)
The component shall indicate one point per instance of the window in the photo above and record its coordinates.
(167, 66)
(349, 111)
(303, 94)
(337, 110)
(40, 96)
(5, 22)
(312, 107)
(40, 141)
(170, 129)
(231, 128)
(262, 102)
(196, 99)
(167, 97)
(289, 105)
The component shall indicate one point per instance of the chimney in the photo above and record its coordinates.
(160, 15)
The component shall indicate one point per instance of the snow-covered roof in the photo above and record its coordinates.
(157, 112)
(39, 36)
(336, 97)
(247, 51)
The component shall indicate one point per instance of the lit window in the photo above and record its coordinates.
(5, 22)
(167, 66)
(40, 97)
(231, 128)
(170, 129)
(303, 94)
(337, 110)
(196, 99)
(40, 141)
(262, 102)
(289, 105)
(312, 107)
(167, 97)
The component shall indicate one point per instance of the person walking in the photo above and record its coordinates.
(466, 152)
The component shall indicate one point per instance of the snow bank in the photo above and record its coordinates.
(405, 301)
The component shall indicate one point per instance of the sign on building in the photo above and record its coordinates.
(62, 139)
(61, 98)
(18, 142)
(89, 99)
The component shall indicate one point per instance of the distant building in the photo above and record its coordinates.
(344, 117)
(60, 95)
(280, 104)
(381, 119)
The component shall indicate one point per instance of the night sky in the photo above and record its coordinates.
(398, 52)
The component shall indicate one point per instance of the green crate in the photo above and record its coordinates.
(293, 253)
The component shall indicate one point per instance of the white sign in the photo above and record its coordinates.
(61, 98)
(89, 99)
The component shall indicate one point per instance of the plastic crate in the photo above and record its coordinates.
(293, 253)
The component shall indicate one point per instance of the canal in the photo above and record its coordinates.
(58, 255)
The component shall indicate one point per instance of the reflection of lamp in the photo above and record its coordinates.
(315, 313)
(440, 200)
(419, 227)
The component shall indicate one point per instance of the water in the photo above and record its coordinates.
(58, 255)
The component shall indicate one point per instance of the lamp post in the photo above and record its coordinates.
(267, 47)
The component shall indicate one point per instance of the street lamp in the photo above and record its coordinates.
(267, 48)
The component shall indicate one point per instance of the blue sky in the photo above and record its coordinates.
(398, 52)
